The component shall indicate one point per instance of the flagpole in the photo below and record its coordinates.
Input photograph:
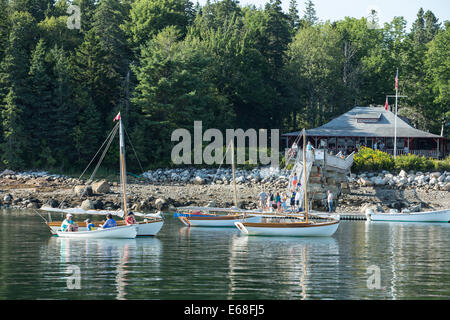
(395, 121)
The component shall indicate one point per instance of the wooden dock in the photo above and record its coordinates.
(352, 216)
(316, 215)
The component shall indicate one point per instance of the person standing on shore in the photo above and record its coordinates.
(297, 201)
(330, 201)
(263, 199)
(278, 201)
(294, 181)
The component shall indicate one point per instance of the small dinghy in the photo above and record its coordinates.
(425, 216)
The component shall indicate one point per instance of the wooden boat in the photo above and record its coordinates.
(144, 228)
(210, 217)
(119, 232)
(213, 220)
(300, 227)
(151, 225)
(294, 229)
(425, 216)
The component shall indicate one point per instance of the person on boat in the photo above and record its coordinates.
(89, 225)
(130, 219)
(330, 201)
(110, 222)
(68, 224)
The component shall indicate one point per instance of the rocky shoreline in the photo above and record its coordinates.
(168, 188)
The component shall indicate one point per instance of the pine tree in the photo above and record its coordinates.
(15, 112)
(41, 124)
(100, 64)
(310, 16)
(4, 27)
(294, 18)
(432, 26)
(64, 111)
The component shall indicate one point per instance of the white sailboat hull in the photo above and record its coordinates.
(122, 232)
(320, 230)
(149, 228)
(143, 228)
(218, 222)
(430, 216)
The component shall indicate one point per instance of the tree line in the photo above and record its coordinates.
(166, 63)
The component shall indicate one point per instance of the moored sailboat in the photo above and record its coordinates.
(295, 226)
(212, 217)
(150, 226)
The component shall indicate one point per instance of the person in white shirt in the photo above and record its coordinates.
(330, 201)
(297, 201)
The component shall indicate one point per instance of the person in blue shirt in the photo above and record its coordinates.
(110, 223)
(89, 225)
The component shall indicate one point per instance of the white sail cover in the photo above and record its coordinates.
(118, 213)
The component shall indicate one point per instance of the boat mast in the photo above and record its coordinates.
(234, 174)
(123, 175)
(304, 174)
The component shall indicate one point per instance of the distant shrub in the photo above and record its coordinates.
(441, 165)
(374, 160)
(368, 159)
(413, 162)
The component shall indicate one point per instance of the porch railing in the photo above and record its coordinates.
(426, 153)
(289, 153)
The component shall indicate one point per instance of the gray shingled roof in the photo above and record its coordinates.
(347, 125)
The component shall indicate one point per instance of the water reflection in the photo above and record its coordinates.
(103, 260)
(414, 259)
(219, 263)
(289, 260)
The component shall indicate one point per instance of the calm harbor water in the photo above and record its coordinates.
(203, 263)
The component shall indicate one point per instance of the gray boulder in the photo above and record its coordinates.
(160, 203)
(87, 205)
(101, 186)
(83, 190)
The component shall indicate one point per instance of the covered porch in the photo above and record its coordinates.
(436, 148)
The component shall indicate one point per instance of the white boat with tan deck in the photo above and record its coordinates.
(217, 217)
(119, 232)
(150, 226)
(295, 226)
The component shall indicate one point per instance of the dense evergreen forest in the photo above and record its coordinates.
(166, 63)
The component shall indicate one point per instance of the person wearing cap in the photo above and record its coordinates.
(68, 224)
(89, 225)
